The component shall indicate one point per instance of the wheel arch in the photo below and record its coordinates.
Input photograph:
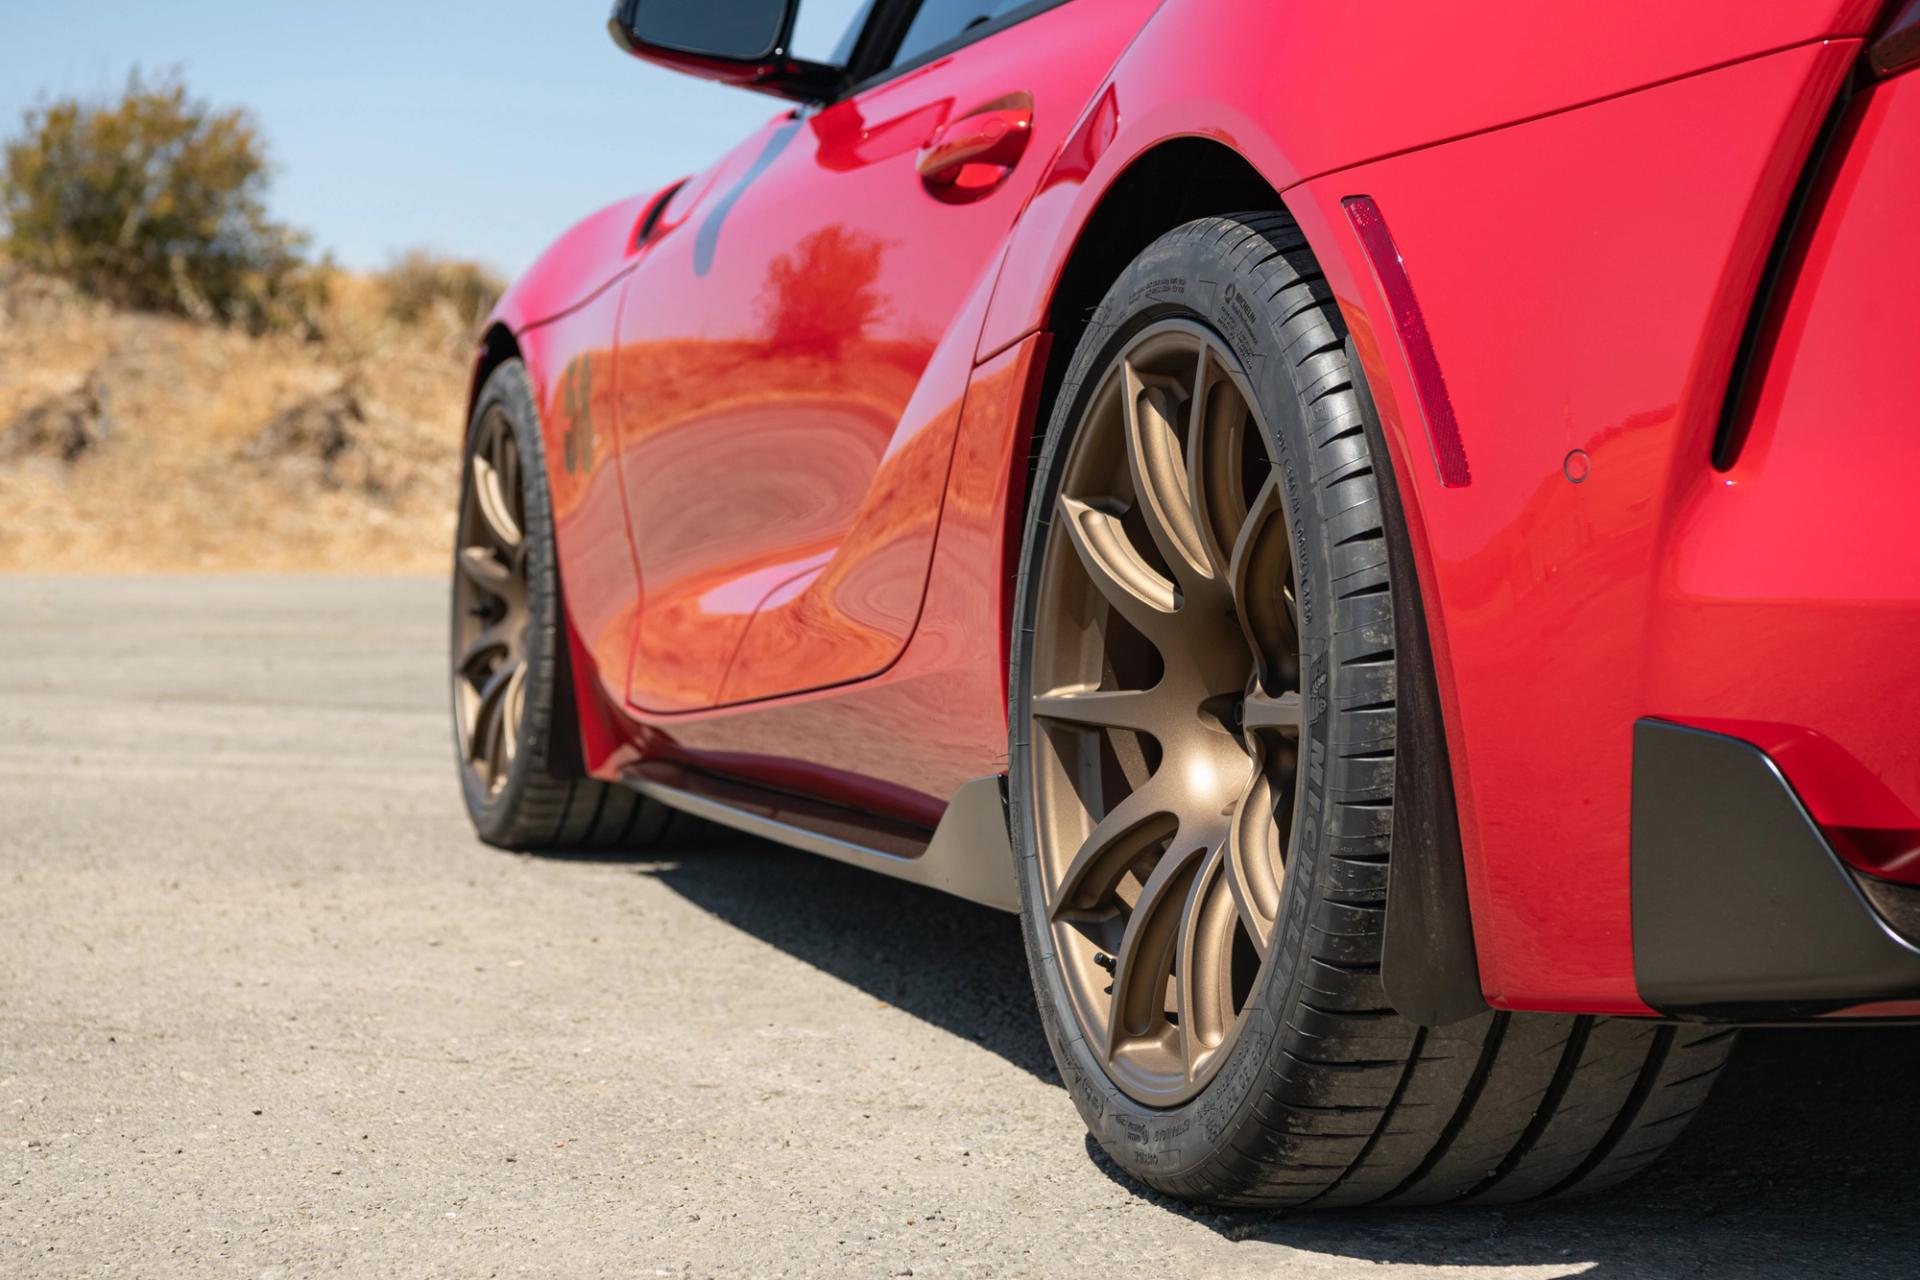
(496, 346)
(1429, 967)
(1170, 183)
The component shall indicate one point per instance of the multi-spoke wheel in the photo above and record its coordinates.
(513, 714)
(490, 605)
(1204, 726)
(1166, 709)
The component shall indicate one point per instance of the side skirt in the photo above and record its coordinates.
(968, 855)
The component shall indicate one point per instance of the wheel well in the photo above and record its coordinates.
(1174, 183)
(497, 346)
(1171, 184)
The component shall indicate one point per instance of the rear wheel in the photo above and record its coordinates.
(1202, 740)
(514, 727)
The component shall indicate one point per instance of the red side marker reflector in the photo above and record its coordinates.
(1443, 430)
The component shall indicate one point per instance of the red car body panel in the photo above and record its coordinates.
(1556, 337)
(903, 743)
(1339, 85)
(1584, 200)
(1799, 560)
(786, 422)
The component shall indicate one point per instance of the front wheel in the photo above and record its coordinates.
(513, 714)
(1202, 736)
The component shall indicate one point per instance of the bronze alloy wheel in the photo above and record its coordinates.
(515, 729)
(1165, 711)
(1223, 728)
(490, 605)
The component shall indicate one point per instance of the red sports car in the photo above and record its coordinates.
(1385, 531)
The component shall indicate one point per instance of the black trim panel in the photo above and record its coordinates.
(972, 35)
(881, 833)
(651, 219)
(1742, 911)
(1428, 964)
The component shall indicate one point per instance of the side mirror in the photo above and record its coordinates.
(737, 42)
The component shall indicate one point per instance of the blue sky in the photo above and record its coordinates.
(479, 129)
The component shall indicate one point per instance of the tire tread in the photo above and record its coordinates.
(546, 804)
(1357, 1105)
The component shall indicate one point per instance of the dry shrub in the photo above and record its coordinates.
(63, 426)
(156, 201)
(421, 284)
(225, 450)
(181, 388)
(316, 430)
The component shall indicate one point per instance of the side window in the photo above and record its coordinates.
(828, 30)
(939, 21)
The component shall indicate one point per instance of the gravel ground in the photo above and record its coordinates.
(267, 1009)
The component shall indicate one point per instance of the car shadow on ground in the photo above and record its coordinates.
(1805, 1161)
(952, 963)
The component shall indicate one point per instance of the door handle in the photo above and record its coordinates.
(995, 137)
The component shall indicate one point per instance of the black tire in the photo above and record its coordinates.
(1329, 1097)
(546, 802)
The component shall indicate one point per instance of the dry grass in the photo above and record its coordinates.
(189, 446)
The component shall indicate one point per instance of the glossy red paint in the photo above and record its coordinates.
(573, 383)
(578, 264)
(1558, 338)
(560, 314)
(786, 423)
(1796, 568)
(902, 744)
(787, 554)
(1295, 106)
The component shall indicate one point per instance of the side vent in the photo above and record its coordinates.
(650, 220)
(1776, 281)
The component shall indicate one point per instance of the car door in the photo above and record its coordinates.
(791, 357)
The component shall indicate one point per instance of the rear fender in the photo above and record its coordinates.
(1288, 102)
(1691, 175)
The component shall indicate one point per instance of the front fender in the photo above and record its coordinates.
(584, 259)
(558, 317)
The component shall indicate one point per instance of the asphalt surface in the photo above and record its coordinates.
(267, 1009)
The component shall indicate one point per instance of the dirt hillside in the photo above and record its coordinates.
(135, 442)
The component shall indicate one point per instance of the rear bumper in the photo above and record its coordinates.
(1742, 909)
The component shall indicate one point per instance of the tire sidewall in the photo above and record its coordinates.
(1185, 277)
(509, 388)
